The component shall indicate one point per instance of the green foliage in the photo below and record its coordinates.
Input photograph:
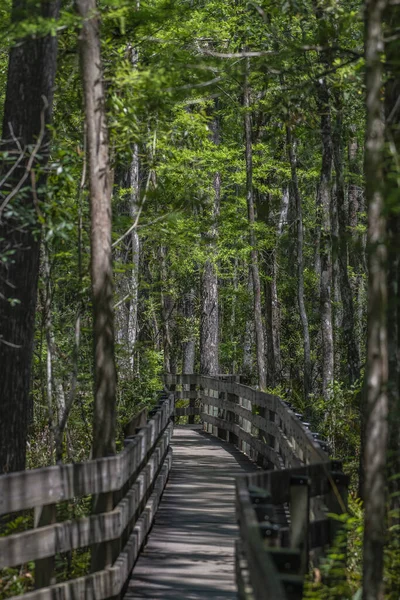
(338, 577)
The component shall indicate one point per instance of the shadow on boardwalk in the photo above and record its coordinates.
(190, 553)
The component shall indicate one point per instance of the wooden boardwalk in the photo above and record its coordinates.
(190, 553)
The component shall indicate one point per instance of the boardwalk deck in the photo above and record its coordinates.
(190, 553)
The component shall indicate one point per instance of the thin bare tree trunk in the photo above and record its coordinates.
(248, 341)
(347, 321)
(291, 145)
(324, 207)
(260, 344)
(209, 321)
(189, 346)
(233, 314)
(376, 409)
(167, 307)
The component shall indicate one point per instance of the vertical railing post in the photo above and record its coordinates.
(44, 567)
(192, 403)
(231, 416)
(299, 517)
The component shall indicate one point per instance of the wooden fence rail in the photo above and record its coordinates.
(282, 510)
(273, 553)
(136, 476)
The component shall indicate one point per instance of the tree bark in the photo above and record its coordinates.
(324, 208)
(100, 182)
(258, 324)
(272, 308)
(392, 113)
(189, 346)
(209, 320)
(376, 408)
(347, 321)
(27, 113)
(248, 341)
(291, 146)
(167, 307)
(128, 287)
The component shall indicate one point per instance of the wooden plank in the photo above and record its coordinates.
(38, 487)
(256, 444)
(61, 537)
(278, 482)
(245, 590)
(185, 411)
(190, 551)
(109, 582)
(44, 568)
(264, 577)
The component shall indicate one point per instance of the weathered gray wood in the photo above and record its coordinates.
(245, 590)
(301, 446)
(61, 537)
(299, 517)
(136, 422)
(109, 582)
(256, 444)
(44, 568)
(190, 553)
(38, 487)
(264, 577)
(185, 411)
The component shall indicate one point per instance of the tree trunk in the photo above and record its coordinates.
(272, 309)
(167, 307)
(291, 145)
(209, 320)
(272, 321)
(356, 245)
(392, 112)
(260, 345)
(128, 287)
(189, 345)
(248, 341)
(376, 409)
(101, 253)
(324, 208)
(348, 321)
(27, 112)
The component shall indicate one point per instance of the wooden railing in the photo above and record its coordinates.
(133, 480)
(283, 511)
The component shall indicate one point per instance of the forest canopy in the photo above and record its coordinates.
(211, 187)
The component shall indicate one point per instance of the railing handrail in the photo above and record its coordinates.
(270, 560)
(138, 475)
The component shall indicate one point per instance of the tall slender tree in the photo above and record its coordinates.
(100, 183)
(209, 320)
(376, 397)
(258, 324)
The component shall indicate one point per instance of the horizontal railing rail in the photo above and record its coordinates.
(282, 511)
(135, 477)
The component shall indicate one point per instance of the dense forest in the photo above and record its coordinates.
(204, 186)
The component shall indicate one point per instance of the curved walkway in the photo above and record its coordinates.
(190, 552)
